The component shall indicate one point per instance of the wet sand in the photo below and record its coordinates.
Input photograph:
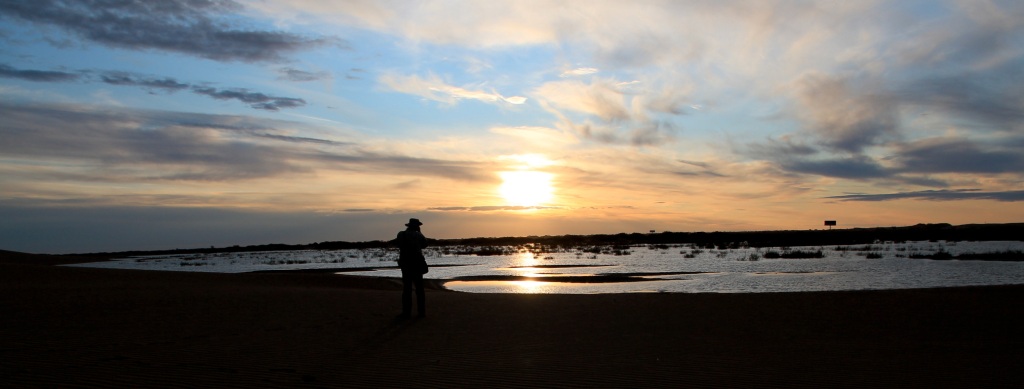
(86, 327)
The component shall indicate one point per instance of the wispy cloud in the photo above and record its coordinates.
(297, 75)
(937, 195)
(255, 100)
(198, 28)
(578, 72)
(137, 145)
(844, 118)
(37, 75)
(490, 208)
(601, 98)
(433, 88)
(130, 79)
(140, 146)
(609, 111)
(958, 155)
(544, 136)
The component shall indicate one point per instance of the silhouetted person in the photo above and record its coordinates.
(414, 265)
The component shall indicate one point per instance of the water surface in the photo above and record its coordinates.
(640, 269)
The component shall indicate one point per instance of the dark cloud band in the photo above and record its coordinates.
(256, 100)
(193, 27)
(37, 75)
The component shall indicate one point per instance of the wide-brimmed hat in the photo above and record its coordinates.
(413, 222)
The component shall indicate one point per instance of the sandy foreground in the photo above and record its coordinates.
(81, 327)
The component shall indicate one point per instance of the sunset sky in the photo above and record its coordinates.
(129, 125)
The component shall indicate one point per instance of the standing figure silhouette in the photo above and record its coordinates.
(411, 242)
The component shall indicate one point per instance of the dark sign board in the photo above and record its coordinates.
(830, 222)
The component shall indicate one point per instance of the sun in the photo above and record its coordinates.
(526, 188)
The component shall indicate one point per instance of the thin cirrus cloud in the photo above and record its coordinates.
(188, 27)
(297, 75)
(537, 135)
(433, 88)
(490, 208)
(615, 112)
(937, 195)
(578, 72)
(255, 100)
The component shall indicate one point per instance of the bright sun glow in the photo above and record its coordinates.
(526, 188)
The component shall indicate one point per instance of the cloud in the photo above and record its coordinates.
(301, 139)
(541, 136)
(433, 88)
(784, 148)
(198, 28)
(578, 72)
(614, 112)
(844, 117)
(137, 145)
(859, 167)
(601, 98)
(937, 195)
(291, 74)
(993, 97)
(958, 155)
(37, 75)
(254, 99)
(144, 146)
(490, 208)
(982, 36)
(653, 133)
(370, 162)
(130, 79)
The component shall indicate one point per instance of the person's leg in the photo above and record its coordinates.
(421, 297)
(407, 284)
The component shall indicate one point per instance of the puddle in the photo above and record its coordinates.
(539, 286)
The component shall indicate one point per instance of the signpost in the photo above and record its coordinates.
(830, 223)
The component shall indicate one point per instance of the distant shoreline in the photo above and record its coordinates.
(777, 238)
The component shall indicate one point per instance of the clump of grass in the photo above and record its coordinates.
(287, 262)
(873, 256)
(484, 251)
(1007, 255)
(938, 255)
(794, 254)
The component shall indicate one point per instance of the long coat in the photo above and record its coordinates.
(410, 254)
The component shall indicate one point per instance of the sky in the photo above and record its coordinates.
(142, 125)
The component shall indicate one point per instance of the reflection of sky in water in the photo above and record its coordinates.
(658, 270)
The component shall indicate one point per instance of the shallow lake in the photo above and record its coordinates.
(677, 268)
